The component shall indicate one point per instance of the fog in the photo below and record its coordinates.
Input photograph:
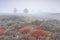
(34, 6)
(29, 19)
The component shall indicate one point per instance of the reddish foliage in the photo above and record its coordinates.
(36, 27)
(2, 31)
(23, 30)
(36, 33)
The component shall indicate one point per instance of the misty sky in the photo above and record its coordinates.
(32, 5)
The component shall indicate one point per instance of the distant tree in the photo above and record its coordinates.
(25, 10)
(15, 10)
